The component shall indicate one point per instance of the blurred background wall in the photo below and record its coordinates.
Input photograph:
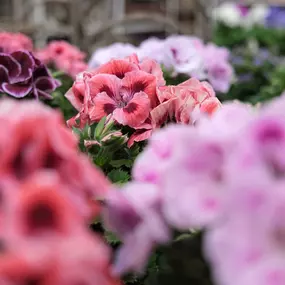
(93, 23)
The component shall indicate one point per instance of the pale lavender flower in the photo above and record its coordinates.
(105, 54)
(182, 54)
(134, 214)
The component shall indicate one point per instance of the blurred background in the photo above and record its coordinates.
(93, 23)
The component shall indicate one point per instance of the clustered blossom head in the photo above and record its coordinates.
(21, 74)
(225, 175)
(64, 57)
(135, 95)
(35, 140)
(178, 54)
(10, 42)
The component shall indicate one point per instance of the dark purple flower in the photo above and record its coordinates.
(21, 74)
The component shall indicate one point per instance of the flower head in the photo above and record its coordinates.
(105, 54)
(123, 88)
(10, 42)
(51, 147)
(64, 57)
(21, 74)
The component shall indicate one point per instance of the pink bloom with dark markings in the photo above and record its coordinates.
(124, 88)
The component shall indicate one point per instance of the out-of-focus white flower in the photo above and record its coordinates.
(257, 15)
(228, 14)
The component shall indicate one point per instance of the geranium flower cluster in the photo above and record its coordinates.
(22, 74)
(179, 55)
(135, 95)
(47, 189)
(10, 42)
(233, 15)
(226, 175)
(64, 57)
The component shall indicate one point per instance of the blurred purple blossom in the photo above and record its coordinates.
(276, 17)
(21, 74)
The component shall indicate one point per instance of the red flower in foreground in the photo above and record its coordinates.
(45, 242)
(35, 139)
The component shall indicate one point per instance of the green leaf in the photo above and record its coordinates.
(121, 162)
(99, 129)
(119, 176)
(111, 238)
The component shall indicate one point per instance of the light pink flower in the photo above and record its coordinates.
(187, 97)
(113, 51)
(11, 42)
(219, 70)
(134, 213)
(64, 57)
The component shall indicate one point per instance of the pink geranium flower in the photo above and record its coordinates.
(46, 241)
(11, 42)
(30, 149)
(185, 98)
(64, 57)
(124, 88)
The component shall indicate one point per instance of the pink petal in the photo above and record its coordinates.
(163, 111)
(135, 112)
(105, 83)
(117, 67)
(139, 135)
(210, 105)
(152, 67)
(140, 81)
(103, 106)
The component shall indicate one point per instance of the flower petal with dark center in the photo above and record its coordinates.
(135, 112)
(17, 90)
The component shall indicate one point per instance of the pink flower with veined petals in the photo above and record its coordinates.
(189, 96)
(124, 88)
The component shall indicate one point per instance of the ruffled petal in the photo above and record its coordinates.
(117, 67)
(163, 111)
(138, 136)
(13, 67)
(27, 63)
(140, 81)
(135, 112)
(105, 83)
(17, 90)
(103, 106)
